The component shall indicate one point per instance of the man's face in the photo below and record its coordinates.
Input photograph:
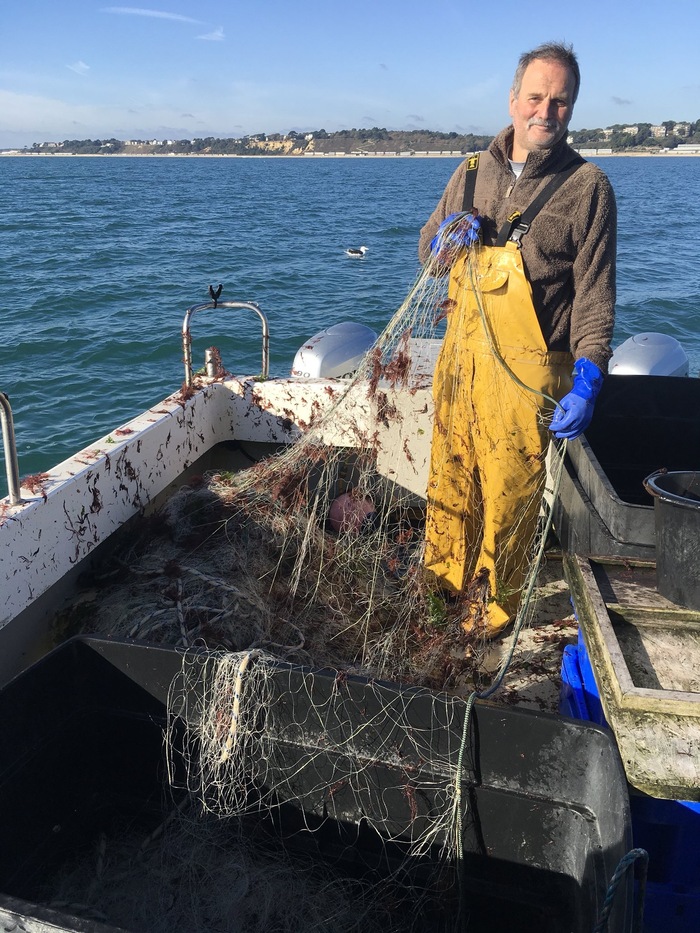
(543, 107)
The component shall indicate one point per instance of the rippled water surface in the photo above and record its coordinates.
(101, 258)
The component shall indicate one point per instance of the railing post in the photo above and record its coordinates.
(187, 338)
(10, 449)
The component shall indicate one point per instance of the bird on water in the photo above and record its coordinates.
(356, 253)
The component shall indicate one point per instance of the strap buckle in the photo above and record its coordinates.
(519, 232)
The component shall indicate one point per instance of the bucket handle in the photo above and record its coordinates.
(647, 482)
(664, 495)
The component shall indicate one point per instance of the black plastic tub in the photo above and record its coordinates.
(677, 523)
(83, 761)
(642, 424)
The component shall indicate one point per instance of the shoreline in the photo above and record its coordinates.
(312, 155)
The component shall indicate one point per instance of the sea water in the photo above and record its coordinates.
(102, 256)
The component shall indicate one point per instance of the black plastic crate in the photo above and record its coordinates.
(545, 818)
(641, 424)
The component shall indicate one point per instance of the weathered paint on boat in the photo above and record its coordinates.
(75, 507)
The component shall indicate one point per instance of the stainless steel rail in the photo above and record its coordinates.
(187, 338)
(10, 449)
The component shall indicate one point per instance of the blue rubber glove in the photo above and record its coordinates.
(574, 412)
(456, 231)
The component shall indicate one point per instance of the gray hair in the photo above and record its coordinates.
(549, 52)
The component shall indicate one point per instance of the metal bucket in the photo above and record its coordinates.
(677, 528)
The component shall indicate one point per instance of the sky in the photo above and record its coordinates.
(179, 69)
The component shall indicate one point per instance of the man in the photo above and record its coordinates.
(527, 231)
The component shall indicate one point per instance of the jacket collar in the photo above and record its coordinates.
(539, 161)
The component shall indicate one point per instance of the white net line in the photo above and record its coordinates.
(253, 566)
(257, 559)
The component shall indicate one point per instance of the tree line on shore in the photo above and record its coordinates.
(376, 139)
(619, 137)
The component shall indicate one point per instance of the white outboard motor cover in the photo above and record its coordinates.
(649, 354)
(333, 353)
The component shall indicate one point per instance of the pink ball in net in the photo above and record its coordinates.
(349, 512)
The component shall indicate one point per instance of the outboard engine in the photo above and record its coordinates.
(334, 353)
(650, 354)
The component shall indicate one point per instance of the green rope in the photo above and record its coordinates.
(492, 340)
(520, 617)
(459, 818)
(527, 597)
(525, 602)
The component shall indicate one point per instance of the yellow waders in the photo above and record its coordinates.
(489, 443)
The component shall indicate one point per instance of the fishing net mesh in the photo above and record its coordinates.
(203, 875)
(316, 554)
(314, 558)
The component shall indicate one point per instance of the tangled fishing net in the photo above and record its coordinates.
(205, 876)
(301, 576)
(316, 555)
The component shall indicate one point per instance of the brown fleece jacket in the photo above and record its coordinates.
(569, 252)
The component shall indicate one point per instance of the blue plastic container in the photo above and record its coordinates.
(669, 830)
(579, 695)
(572, 699)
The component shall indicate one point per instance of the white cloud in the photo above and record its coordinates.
(43, 115)
(216, 36)
(79, 67)
(156, 14)
(28, 118)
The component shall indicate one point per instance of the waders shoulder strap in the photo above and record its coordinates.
(517, 225)
(470, 182)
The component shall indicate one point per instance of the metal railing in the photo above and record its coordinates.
(10, 450)
(187, 338)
